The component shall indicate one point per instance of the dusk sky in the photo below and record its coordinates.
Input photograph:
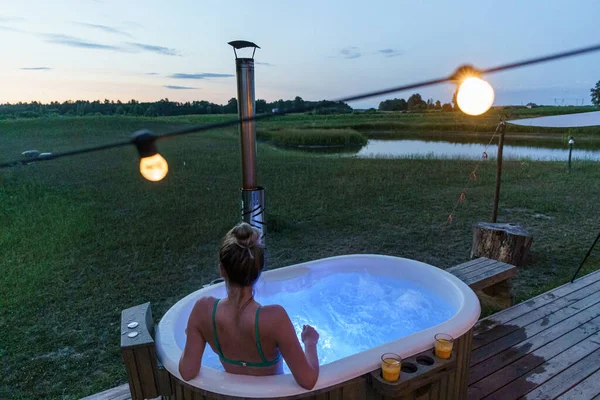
(148, 50)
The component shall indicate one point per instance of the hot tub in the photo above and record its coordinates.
(446, 305)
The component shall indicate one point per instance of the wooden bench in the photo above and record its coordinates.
(490, 279)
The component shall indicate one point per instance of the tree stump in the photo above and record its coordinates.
(508, 243)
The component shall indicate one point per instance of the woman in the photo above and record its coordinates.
(249, 339)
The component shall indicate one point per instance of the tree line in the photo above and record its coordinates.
(416, 103)
(163, 107)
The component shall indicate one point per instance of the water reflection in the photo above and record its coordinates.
(445, 149)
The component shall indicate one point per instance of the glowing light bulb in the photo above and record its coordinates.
(475, 96)
(154, 168)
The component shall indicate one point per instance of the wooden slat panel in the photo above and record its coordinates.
(522, 334)
(509, 314)
(577, 327)
(567, 379)
(491, 278)
(444, 387)
(463, 366)
(486, 268)
(135, 385)
(587, 389)
(351, 391)
(188, 394)
(143, 359)
(467, 266)
(336, 394)
(588, 350)
(435, 391)
(465, 271)
(164, 382)
(178, 390)
(544, 311)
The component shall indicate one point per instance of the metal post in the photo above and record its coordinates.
(586, 257)
(244, 68)
(571, 143)
(502, 126)
(252, 195)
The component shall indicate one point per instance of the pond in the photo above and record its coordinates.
(534, 150)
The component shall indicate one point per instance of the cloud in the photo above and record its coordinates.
(77, 42)
(155, 49)
(180, 87)
(151, 73)
(36, 68)
(264, 63)
(390, 52)
(104, 28)
(8, 28)
(11, 19)
(199, 76)
(350, 52)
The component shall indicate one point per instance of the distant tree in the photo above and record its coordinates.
(393, 105)
(150, 111)
(438, 105)
(447, 107)
(454, 101)
(120, 110)
(231, 107)
(298, 103)
(261, 106)
(595, 91)
(415, 102)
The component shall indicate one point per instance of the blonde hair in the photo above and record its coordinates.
(242, 255)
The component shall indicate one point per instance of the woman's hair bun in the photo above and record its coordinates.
(246, 235)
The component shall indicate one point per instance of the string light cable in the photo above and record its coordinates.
(145, 142)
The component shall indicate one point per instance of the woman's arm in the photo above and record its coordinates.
(303, 364)
(191, 359)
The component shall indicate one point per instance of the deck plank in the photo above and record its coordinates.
(526, 332)
(583, 323)
(529, 362)
(468, 266)
(587, 389)
(491, 278)
(482, 268)
(117, 393)
(568, 379)
(536, 377)
(518, 310)
(547, 311)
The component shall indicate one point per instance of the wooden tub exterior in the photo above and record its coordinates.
(423, 377)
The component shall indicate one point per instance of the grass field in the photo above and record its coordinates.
(84, 237)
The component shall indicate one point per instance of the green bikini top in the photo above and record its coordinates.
(264, 362)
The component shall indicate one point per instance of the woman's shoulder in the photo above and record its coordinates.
(273, 312)
(203, 306)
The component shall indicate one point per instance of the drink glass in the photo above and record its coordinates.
(390, 366)
(443, 345)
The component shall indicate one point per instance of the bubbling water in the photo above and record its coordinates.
(354, 312)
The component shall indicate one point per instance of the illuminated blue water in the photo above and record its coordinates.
(354, 312)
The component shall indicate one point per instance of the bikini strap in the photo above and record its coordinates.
(260, 351)
(214, 322)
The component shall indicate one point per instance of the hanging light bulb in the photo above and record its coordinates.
(152, 165)
(475, 96)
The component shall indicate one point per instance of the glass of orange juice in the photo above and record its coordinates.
(443, 345)
(390, 366)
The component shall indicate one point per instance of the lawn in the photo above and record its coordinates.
(84, 237)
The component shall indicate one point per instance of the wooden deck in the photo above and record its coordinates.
(545, 348)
